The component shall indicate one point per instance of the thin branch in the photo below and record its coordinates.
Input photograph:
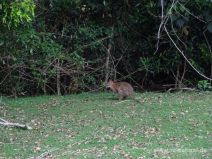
(164, 20)
(5, 77)
(161, 24)
(209, 47)
(185, 56)
(177, 35)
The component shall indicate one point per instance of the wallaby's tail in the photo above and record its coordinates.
(136, 99)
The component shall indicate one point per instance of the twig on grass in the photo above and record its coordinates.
(123, 101)
(17, 125)
(182, 89)
(45, 155)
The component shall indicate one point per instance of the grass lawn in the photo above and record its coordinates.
(96, 125)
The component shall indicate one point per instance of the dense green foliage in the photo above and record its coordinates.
(61, 46)
(95, 125)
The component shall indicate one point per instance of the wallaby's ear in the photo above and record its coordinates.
(110, 80)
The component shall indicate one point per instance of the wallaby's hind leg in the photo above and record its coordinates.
(120, 97)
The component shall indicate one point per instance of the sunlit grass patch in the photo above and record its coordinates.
(97, 125)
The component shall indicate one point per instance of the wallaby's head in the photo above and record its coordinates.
(109, 84)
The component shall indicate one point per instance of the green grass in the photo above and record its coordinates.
(96, 125)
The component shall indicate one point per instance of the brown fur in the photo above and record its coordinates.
(123, 89)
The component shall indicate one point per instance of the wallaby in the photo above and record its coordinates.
(123, 89)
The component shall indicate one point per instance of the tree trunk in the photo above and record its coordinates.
(44, 85)
(107, 63)
(183, 74)
(58, 78)
(177, 77)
